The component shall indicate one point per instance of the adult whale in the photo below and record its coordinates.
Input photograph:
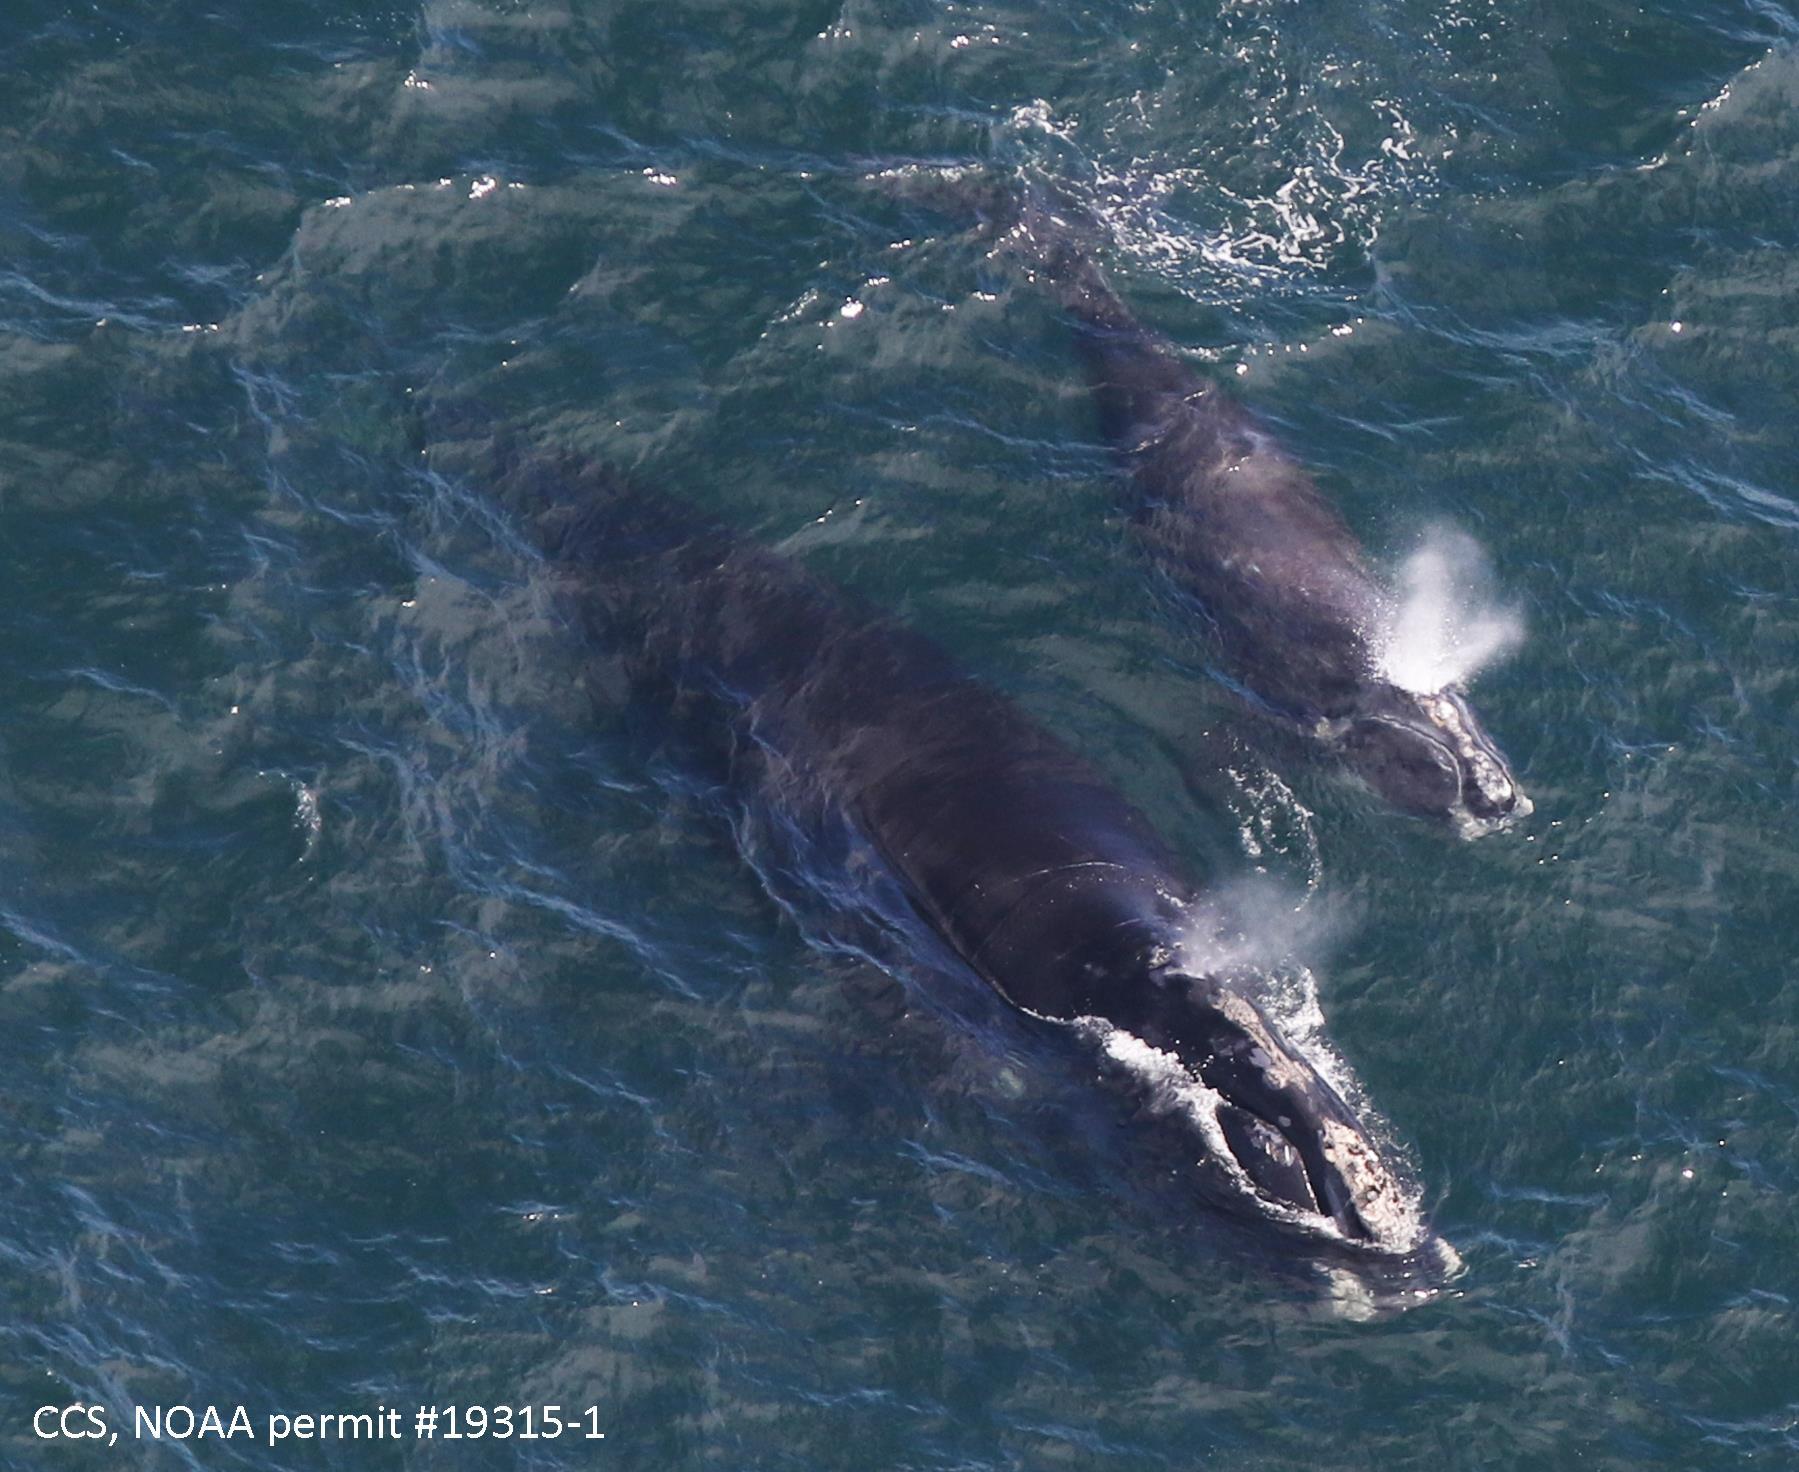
(1015, 851)
(1242, 529)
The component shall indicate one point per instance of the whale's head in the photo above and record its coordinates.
(1268, 1133)
(1429, 754)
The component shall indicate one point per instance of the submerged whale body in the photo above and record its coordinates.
(1037, 874)
(1242, 530)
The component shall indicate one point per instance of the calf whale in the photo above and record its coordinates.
(1243, 531)
(1038, 875)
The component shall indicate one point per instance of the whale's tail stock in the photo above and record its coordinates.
(567, 505)
(1037, 228)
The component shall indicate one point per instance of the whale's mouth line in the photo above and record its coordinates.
(1429, 733)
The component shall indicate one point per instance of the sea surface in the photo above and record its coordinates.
(390, 1017)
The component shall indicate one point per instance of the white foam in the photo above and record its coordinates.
(1448, 622)
(1172, 1090)
(1273, 824)
(1259, 232)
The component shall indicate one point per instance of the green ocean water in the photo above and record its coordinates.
(383, 1024)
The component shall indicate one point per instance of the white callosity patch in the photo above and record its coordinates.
(1447, 624)
(1386, 1208)
(1283, 1071)
(1492, 779)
